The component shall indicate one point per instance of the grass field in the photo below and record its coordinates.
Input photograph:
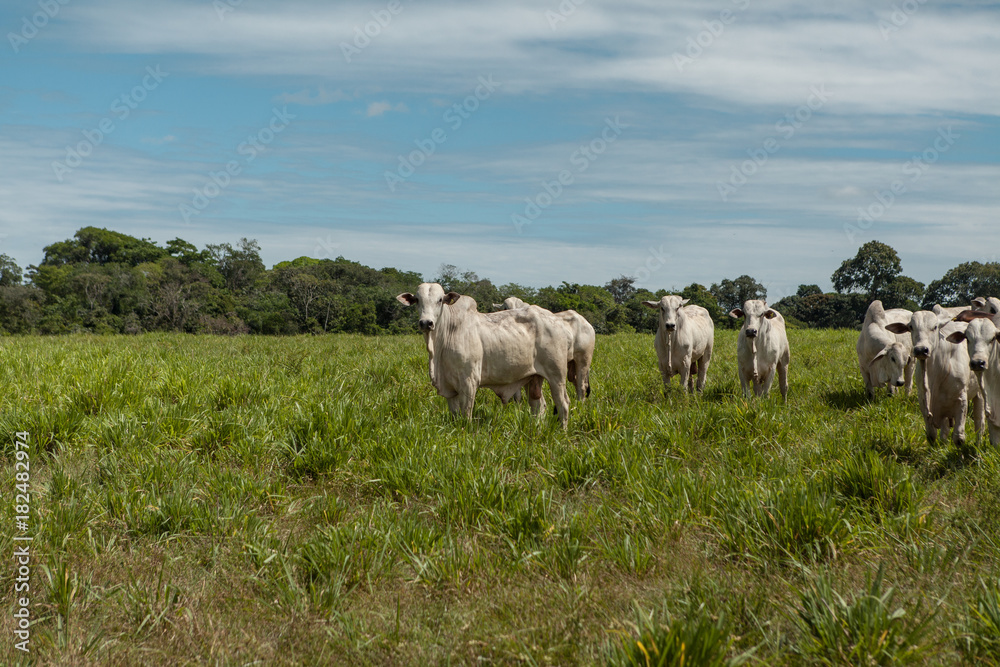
(209, 500)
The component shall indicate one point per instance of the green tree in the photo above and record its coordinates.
(702, 296)
(963, 283)
(92, 245)
(241, 267)
(876, 272)
(732, 294)
(621, 288)
(10, 272)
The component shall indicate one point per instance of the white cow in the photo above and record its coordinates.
(884, 360)
(583, 339)
(499, 351)
(945, 384)
(761, 348)
(685, 336)
(981, 337)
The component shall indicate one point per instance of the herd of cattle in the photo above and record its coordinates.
(519, 345)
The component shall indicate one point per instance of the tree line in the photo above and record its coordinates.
(102, 281)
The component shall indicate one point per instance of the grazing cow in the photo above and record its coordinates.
(581, 352)
(883, 359)
(684, 339)
(761, 348)
(499, 351)
(945, 384)
(981, 337)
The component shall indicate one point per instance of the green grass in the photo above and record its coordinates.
(309, 500)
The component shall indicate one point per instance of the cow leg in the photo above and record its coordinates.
(466, 399)
(703, 371)
(535, 398)
(667, 374)
(685, 372)
(908, 377)
(783, 380)
(571, 375)
(869, 389)
(744, 384)
(979, 415)
(958, 435)
(931, 429)
(994, 434)
(561, 399)
(765, 383)
(583, 381)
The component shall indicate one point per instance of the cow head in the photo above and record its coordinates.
(892, 368)
(753, 312)
(432, 301)
(979, 335)
(989, 305)
(923, 328)
(668, 307)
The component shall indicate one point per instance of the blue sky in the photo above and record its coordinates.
(695, 141)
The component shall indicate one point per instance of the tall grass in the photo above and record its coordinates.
(310, 500)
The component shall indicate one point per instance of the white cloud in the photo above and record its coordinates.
(939, 61)
(322, 96)
(379, 108)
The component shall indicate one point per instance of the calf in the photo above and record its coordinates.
(945, 383)
(883, 358)
(980, 339)
(499, 351)
(684, 339)
(761, 348)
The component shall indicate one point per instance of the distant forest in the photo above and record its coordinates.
(102, 281)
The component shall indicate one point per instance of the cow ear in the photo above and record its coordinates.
(969, 315)
(770, 313)
(406, 299)
(497, 306)
(881, 354)
(451, 297)
(979, 302)
(651, 304)
(898, 328)
(683, 301)
(736, 313)
(956, 337)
